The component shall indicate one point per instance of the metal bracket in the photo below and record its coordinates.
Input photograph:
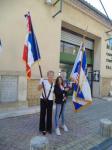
(60, 9)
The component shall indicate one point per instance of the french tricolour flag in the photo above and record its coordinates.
(82, 93)
(31, 52)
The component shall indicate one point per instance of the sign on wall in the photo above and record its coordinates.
(96, 75)
(109, 56)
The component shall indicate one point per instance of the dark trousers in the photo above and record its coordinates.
(46, 115)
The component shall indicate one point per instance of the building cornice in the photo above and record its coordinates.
(90, 12)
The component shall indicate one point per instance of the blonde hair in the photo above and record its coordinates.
(49, 72)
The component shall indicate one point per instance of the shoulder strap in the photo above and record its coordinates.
(50, 91)
(44, 92)
(43, 95)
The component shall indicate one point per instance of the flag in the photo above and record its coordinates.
(0, 46)
(81, 88)
(31, 52)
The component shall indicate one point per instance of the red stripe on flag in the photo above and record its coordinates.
(28, 71)
(25, 58)
(25, 54)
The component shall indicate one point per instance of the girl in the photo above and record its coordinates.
(60, 99)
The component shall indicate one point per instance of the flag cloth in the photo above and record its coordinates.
(0, 46)
(31, 52)
(81, 88)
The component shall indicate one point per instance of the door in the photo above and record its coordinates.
(90, 75)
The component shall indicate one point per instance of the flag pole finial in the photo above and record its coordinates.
(85, 34)
(26, 15)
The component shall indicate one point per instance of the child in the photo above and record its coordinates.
(60, 99)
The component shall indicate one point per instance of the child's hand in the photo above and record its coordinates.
(64, 99)
(66, 89)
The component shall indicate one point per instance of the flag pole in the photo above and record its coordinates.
(85, 34)
(83, 41)
(42, 77)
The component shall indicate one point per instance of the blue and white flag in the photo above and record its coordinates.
(82, 93)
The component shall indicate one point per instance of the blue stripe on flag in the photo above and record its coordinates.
(84, 61)
(38, 52)
(77, 69)
(34, 46)
(77, 105)
(75, 86)
(80, 94)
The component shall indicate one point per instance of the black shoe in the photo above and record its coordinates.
(44, 132)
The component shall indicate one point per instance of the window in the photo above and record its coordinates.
(109, 44)
(69, 48)
(88, 53)
(62, 47)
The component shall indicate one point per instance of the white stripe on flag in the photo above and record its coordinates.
(85, 87)
(30, 55)
(78, 58)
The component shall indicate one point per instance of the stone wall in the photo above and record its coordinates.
(106, 86)
(33, 94)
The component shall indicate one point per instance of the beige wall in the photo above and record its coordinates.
(13, 31)
(81, 20)
(106, 86)
(97, 66)
(33, 94)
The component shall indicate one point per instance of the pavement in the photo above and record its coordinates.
(16, 132)
(109, 98)
(19, 112)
